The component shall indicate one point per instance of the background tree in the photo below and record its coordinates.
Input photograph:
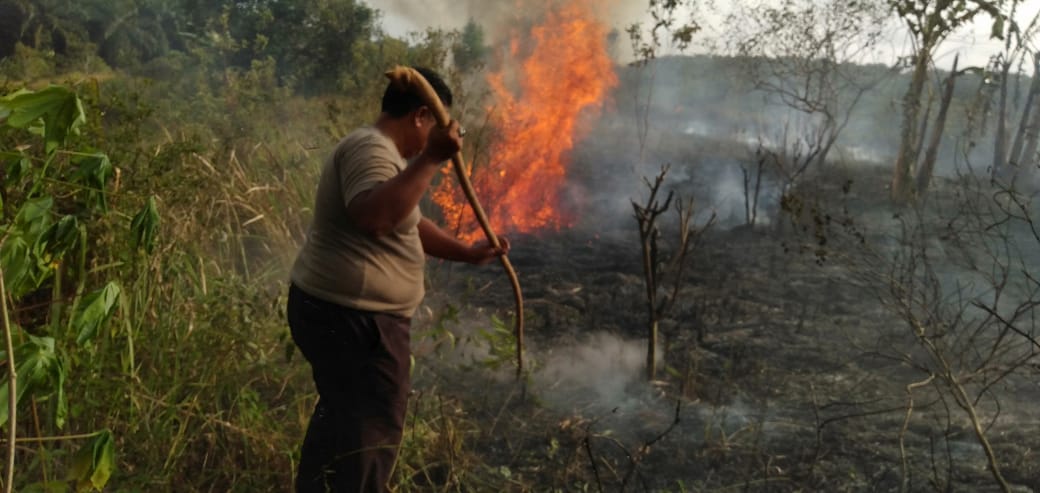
(1009, 139)
(469, 53)
(312, 42)
(929, 23)
(40, 24)
(131, 32)
(12, 18)
(669, 28)
(804, 54)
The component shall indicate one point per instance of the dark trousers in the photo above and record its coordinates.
(361, 363)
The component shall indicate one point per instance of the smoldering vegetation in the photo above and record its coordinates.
(704, 115)
(823, 338)
(787, 364)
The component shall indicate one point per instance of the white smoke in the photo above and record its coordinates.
(598, 369)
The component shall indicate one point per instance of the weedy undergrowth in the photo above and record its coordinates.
(57, 298)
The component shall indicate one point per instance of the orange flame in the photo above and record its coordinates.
(567, 71)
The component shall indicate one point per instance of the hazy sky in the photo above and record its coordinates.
(974, 43)
(403, 16)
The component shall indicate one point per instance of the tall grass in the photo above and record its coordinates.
(195, 373)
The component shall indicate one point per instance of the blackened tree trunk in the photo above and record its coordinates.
(924, 174)
(1029, 162)
(902, 180)
(1015, 158)
(1000, 145)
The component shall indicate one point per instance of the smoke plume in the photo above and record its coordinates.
(599, 369)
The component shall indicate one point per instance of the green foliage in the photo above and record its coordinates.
(471, 50)
(96, 309)
(56, 210)
(93, 465)
(94, 172)
(501, 344)
(175, 345)
(59, 239)
(24, 269)
(144, 227)
(440, 331)
(54, 112)
(313, 46)
(41, 372)
(312, 59)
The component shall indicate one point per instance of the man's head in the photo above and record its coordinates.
(410, 113)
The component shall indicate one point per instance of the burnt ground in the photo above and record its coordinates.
(779, 371)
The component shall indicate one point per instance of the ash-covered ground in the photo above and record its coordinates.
(785, 364)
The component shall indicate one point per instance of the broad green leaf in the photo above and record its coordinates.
(59, 109)
(34, 215)
(95, 310)
(57, 240)
(17, 166)
(105, 462)
(22, 270)
(18, 265)
(82, 465)
(94, 172)
(37, 365)
(93, 464)
(145, 226)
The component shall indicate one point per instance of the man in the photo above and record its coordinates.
(358, 279)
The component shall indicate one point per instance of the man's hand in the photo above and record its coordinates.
(442, 244)
(482, 253)
(442, 144)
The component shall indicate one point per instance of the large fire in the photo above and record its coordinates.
(565, 70)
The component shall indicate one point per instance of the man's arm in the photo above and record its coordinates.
(441, 244)
(379, 210)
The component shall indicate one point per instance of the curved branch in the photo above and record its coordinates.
(409, 79)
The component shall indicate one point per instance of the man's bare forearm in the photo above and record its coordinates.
(439, 243)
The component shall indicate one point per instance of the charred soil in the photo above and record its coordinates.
(784, 369)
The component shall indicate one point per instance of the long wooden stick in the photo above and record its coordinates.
(409, 79)
(12, 393)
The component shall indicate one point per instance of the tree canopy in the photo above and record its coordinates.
(312, 43)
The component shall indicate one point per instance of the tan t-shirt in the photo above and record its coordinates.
(341, 264)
